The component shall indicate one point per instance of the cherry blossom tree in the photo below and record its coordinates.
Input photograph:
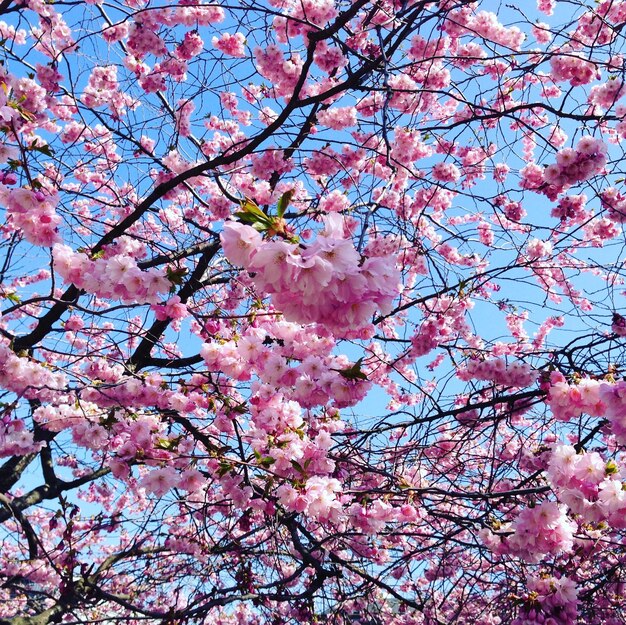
(312, 311)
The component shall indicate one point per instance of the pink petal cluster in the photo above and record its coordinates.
(571, 209)
(537, 248)
(588, 485)
(618, 324)
(172, 309)
(33, 213)
(614, 203)
(446, 172)
(597, 27)
(466, 21)
(183, 117)
(372, 518)
(191, 46)
(282, 71)
(160, 481)
(573, 68)
(28, 378)
(613, 397)
(540, 531)
(551, 601)
(444, 319)
(232, 45)
(338, 118)
(327, 282)
(103, 90)
(517, 374)
(574, 165)
(567, 401)
(315, 381)
(334, 202)
(16, 439)
(607, 94)
(117, 277)
(546, 6)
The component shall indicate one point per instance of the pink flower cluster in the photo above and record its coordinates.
(607, 94)
(618, 324)
(446, 172)
(270, 162)
(532, 178)
(300, 17)
(372, 518)
(546, 6)
(338, 117)
(125, 391)
(466, 21)
(571, 209)
(329, 58)
(334, 202)
(444, 320)
(111, 277)
(576, 164)
(232, 45)
(183, 117)
(33, 213)
(314, 381)
(551, 601)
(588, 485)
(16, 439)
(613, 397)
(327, 282)
(597, 27)
(517, 374)
(191, 46)
(592, 397)
(537, 248)
(160, 481)
(569, 66)
(540, 531)
(172, 309)
(318, 499)
(103, 89)
(614, 203)
(597, 231)
(28, 378)
(568, 401)
(143, 40)
(282, 72)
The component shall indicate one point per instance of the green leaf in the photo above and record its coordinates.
(168, 444)
(225, 467)
(248, 206)
(264, 461)
(250, 213)
(284, 201)
(175, 276)
(247, 217)
(44, 149)
(297, 466)
(354, 372)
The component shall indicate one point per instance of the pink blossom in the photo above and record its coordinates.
(232, 45)
(338, 118)
(160, 481)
